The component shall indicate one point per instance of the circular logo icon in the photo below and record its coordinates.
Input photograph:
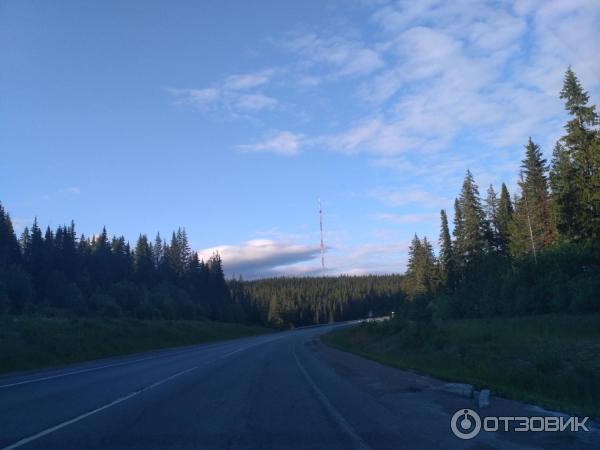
(465, 424)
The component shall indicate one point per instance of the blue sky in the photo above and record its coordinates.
(233, 118)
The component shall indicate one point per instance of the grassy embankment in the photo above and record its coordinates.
(549, 360)
(35, 342)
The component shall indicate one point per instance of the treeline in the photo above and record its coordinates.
(535, 252)
(292, 302)
(57, 272)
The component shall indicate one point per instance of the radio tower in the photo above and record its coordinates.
(322, 246)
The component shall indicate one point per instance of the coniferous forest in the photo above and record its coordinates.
(58, 273)
(535, 251)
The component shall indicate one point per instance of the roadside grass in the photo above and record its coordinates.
(550, 360)
(36, 342)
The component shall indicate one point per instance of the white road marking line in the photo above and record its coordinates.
(97, 410)
(60, 375)
(343, 423)
(122, 399)
(91, 369)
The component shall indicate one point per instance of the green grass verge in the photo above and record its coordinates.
(549, 360)
(36, 342)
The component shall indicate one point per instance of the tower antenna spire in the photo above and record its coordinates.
(322, 246)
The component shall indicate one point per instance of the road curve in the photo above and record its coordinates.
(276, 391)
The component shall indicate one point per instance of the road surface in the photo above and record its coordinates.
(276, 391)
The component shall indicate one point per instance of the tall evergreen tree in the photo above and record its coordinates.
(532, 227)
(179, 253)
(491, 209)
(446, 257)
(471, 229)
(503, 220)
(144, 261)
(458, 233)
(535, 192)
(564, 193)
(25, 244)
(10, 252)
(421, 268)
(158, 252)
(576, 166)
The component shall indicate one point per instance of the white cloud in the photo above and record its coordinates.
(236, 94)
(456, 76)
(281, 143)
(343, 56)
(254, 102)
(75, 190)
(248, 80)
(260, 257)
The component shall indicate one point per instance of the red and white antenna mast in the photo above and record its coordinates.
(322, 246)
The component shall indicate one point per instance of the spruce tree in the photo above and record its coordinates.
(576, 166)
(491, 216)
(535, 194)
(459, 235)
(503, 220)
(421, 267)
(10, 252)
(472, 230)
(158, 252)
(25, 244)
(446, 258)
(144, 261)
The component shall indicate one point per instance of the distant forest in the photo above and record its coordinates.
(537, 251)
(284, 302)
(57, 272)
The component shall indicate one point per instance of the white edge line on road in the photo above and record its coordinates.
(94, 411)
(91, 369)
(121, 399)
(343, 423)
(75, 372)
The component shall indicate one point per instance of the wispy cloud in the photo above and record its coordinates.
(246, 81)
(341, 55)
(236, 94)
(74, 190)
(281, 143)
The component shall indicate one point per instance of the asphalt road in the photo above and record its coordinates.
(278, 391)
